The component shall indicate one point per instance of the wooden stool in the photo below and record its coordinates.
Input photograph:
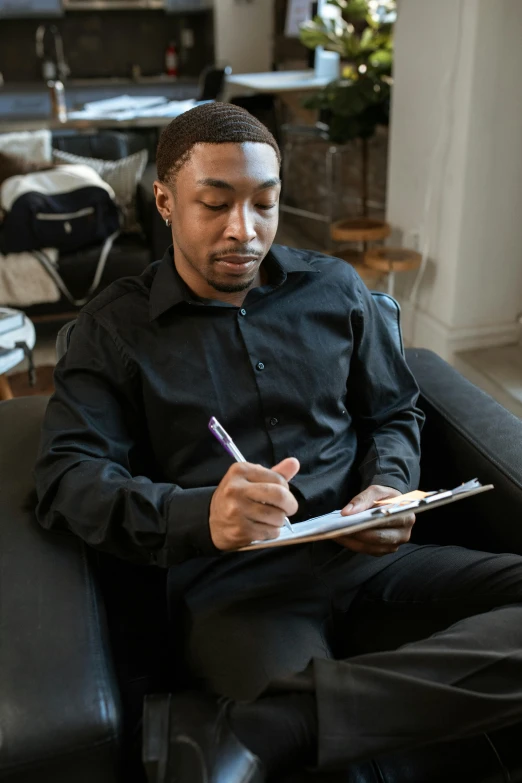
(359, 229)
(390, 260)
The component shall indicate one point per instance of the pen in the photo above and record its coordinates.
(228, 444)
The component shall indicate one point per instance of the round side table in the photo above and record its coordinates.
(25, 334)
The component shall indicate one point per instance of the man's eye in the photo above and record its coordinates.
(266, 206)
(214, 208)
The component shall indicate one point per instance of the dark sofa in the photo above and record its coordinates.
(84, 636)
(132, 252)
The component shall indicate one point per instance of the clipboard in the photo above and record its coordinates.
(334, 524)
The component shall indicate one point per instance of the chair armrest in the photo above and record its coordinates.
(468, 434)
(59, 703)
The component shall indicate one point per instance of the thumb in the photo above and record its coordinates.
(367, 498)
(360, 502)
(287, 468)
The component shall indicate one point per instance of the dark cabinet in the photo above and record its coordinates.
(179, 6)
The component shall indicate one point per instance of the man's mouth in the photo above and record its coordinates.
(237, 264)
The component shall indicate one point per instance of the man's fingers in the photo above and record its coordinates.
(367, 498)
(268, 496)
(406, 520)
(362, 501)
(259, 513)
(257, 474)
(357, 504)
(287, 468)
(263, 532)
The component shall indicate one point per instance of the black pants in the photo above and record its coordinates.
(412, 648)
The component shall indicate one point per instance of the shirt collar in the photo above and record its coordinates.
(291, 260)
(168, 289)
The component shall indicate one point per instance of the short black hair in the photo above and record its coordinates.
(210, 123)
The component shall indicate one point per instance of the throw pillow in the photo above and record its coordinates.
(31, 145)
(122, 175)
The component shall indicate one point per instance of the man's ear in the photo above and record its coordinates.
(164, 200)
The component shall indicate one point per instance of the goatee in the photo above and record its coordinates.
(231, 288)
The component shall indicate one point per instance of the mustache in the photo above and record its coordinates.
(236, 251)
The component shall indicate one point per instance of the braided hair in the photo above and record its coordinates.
(210, 123)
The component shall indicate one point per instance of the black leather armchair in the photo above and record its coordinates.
(84, 635)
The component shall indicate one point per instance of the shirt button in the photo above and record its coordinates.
(242, 311)
(274, 421)
(260, 366)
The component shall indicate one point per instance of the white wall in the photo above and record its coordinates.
(455, 168)
(243, 34)
(491, 242)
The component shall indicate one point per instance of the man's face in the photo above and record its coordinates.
(224, 212)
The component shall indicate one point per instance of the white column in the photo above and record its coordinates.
(243, 34)
(455, 169)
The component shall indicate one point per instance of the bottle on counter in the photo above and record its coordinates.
(48, 70)
(58, 105)
(171, 60)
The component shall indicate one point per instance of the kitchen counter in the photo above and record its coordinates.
(24, 124)
(161, 80)
(28, 106)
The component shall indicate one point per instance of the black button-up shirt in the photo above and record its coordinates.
(305, 368)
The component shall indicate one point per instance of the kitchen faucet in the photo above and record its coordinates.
(63, 69)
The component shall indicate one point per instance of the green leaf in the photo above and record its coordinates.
(382, 59)
(368, 39)
(355, 10)
(325, 32)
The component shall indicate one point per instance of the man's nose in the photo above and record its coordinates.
(241, 224)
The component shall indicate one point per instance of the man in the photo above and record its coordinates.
(288, 351)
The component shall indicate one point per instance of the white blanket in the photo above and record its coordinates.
(24, 281)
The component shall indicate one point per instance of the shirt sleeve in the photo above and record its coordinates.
(86, 476)
(382, 399)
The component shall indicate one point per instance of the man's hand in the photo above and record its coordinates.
(250, 503)
(379, 540)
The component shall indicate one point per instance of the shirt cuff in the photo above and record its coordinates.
(387, 480)
(188, 531)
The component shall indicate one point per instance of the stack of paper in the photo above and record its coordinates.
(126, 107)
(335, 524)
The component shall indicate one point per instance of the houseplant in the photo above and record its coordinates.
(354, 105)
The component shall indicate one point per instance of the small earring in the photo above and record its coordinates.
(167, 222)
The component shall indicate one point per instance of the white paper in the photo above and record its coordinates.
(297, 12)
(170, 109)
(123, 103)
(327, 523)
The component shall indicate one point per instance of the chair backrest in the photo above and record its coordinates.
(212, 81)
(63, 338)
(388, 306)
(391, 311)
